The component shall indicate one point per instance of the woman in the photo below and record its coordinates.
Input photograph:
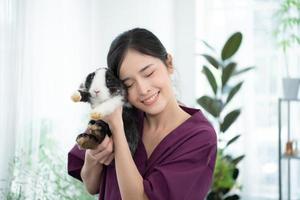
(176, 155)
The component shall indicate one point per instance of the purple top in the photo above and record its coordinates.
(180, 167)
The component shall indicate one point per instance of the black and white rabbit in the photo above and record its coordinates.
(105, 93)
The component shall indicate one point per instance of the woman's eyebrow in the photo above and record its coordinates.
(141, 70)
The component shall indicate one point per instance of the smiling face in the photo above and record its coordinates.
(147, 80)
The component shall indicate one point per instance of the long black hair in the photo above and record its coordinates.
(138, 39)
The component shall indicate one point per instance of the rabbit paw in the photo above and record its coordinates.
(95, 116)
(94, 127)
(76, 97)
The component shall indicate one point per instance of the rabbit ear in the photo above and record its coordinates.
(81, 86)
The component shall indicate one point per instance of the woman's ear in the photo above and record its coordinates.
(169, 63)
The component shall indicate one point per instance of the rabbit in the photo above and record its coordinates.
(105, 92)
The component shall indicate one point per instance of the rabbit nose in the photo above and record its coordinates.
(96, 91)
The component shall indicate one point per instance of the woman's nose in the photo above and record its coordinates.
(143, 88)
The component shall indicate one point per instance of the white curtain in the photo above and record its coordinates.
(258, 124)
(11, 54)
(9, 82)
(45, 52)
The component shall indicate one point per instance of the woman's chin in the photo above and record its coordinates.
(154, 109)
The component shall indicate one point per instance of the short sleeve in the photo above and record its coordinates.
(75, 162)
(187, 176)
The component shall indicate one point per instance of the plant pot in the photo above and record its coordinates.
(291, 87)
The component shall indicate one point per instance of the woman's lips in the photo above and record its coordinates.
(151, 99)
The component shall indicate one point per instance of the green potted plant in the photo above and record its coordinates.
(287, 34)
(220, 74)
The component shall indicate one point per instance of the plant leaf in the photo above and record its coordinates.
(208, 46)
(211, 60)
(235, 173)
(238, 159)
(232, 197)
(212, 195)
(243, 70)
(229, 119)
(223, 179)
(212, 106)
(233, 91)
(224, 191)
(211, 79)
(232, 140)
(227, 72)
(232, 45)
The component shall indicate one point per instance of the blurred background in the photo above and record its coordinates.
(47, 47)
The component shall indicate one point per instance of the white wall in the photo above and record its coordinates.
(184, 54)
(111, 18)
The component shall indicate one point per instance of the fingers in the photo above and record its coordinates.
(109, 159)
(104, 151)
(110, 154)
(101, 156)
(102, 145)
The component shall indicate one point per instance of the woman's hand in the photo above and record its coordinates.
(114, 120)
(103, 154)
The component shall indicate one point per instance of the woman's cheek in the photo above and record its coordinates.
(131, 98)
(161, 81)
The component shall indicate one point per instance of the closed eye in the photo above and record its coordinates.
(128, 86)
(149, 74)
(146, 75)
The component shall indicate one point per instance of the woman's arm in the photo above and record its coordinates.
(91, 176)
(91, 172)
(129, 179)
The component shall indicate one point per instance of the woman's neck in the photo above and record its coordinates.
(171, 116)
